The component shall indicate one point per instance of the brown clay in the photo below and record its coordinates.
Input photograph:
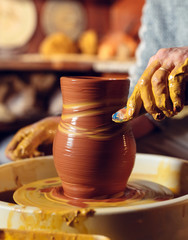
(93, 155)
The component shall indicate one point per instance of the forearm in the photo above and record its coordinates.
(142, 126)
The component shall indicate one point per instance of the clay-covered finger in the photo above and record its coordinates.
(176, 81)
(147, 93)
(15, 141)
(160, 91)
(28, 146)
(131, 110)
(10, 155)
(134, 104)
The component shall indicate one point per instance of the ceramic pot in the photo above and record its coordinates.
(93, 155)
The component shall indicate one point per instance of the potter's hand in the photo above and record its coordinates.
(26, 141)
(161, 89)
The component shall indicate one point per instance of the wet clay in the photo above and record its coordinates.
(50, 195)
(93, 155)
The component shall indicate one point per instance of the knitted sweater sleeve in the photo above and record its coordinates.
(163, 25)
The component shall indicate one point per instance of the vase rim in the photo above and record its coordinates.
(94, 78)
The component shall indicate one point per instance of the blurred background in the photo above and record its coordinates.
(42, 40)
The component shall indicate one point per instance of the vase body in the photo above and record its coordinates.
(93, 155)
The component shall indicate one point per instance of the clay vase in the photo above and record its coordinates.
(93, 155)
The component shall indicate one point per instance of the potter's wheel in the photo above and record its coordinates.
(48, 194)
(147, 220)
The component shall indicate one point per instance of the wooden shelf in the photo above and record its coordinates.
(67, 62)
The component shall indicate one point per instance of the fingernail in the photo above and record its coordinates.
(115, 116)
(118, 117)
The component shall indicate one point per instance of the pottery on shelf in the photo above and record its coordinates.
(93, 155)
